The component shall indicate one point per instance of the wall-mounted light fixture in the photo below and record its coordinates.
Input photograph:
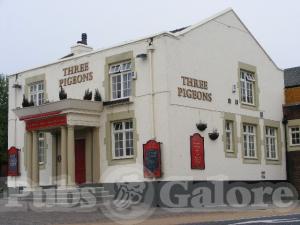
(17, 86)
(142, 56)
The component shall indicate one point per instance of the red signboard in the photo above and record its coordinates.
(197, 152)
(152, 159)
(13, 162)
(47, 122)
(41, 115)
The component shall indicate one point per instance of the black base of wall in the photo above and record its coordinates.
(174, 193)
(181, 194)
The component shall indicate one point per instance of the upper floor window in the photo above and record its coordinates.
(271, 143)
(122, 139)
(37, 93)
(247, 80)
(229, 135)
(121, 80)
(41, 147)
(249, 140)
(295, 135)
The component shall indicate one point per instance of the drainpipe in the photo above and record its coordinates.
(15, 121)
(284, 122)
(150, 50)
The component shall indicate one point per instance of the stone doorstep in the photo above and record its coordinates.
(62, 191)
(30, 198)
(62, 194)
(102, 201)
(65, 205)
(65, 188)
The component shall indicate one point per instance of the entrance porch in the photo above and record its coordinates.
(73, 127)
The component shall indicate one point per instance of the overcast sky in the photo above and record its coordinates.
(36, 32)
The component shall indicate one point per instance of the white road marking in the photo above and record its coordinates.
(270, 221)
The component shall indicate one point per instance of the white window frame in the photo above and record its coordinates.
(125, 141)
(271, 141)
(229, 131)
(123, 71)
(36, 90)
(247, 145)
(42, 147)
(246, 79)
(291, 135)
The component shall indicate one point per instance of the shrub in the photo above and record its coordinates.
(88, 95)
(62, 94)
(97, 96)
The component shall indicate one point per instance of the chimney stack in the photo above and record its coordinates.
(83, 39)
(81, 46)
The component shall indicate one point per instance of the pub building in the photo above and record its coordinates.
(199, 103)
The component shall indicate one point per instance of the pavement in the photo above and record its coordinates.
(228, 217)
(281, 220)
(27, 214)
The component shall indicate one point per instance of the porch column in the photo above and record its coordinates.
(35, 161)
(63, 162)
(71, 156)
(88, 155)
(54, 158)
(29, 157)
(96, 155)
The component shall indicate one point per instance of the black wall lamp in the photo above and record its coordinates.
(142, 56)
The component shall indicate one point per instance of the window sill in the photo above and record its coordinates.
(249, 106)
(129, 157)
(121, 101)
(297, 145)
(273, 161)
(249, 160)
(122, 161)
(230, 154)
(229, 151)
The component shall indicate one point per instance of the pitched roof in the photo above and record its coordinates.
(292, 77)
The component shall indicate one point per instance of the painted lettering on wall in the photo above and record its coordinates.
(76, 74)
(191, 89)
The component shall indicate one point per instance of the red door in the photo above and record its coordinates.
(80, 161)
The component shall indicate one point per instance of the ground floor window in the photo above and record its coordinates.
(271, 143)
(41, 147)
(295, 135)
(122, 139)
(249, 140)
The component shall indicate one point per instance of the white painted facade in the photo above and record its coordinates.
(209, 51)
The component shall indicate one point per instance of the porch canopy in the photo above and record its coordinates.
(62, 115)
